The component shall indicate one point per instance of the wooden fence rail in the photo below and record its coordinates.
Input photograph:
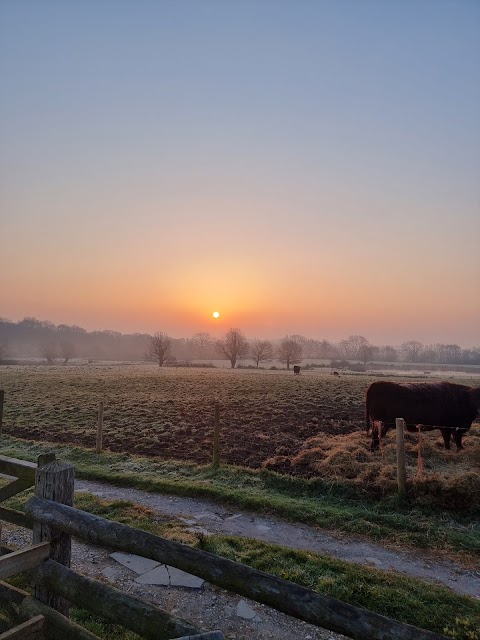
(16, 517)
(279, 594)
(18, 468)
(59, 627)
(23, 560)
(23, 474)
(32, 629)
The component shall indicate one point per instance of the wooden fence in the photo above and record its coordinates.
(54, 520)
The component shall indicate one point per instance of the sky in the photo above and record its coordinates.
(299, 166)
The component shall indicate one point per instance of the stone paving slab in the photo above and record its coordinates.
(138, 564)
(110, 572)
(245, 611)
(170, 577)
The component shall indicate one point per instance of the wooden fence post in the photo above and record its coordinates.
(54, 481)
(2, 398)
(216, 436)
(99, 427)
(401, 475)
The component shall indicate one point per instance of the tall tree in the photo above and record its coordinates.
(67, 350)
(290, 351)
(411, 350)
(202, 343)
(233, 345)
(261, 351)
(3, 351)
(366, 352)
(355, 348)
(158, 347)
(388, 353)
(49, 352)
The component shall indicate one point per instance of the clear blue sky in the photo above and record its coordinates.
(303, 166)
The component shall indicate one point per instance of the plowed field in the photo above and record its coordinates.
(169, 412)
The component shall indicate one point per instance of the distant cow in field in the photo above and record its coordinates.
(335, 373)
(446, 406)
(296, 370)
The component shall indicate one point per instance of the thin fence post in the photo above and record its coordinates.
(99, 427)
(2, 398)
(54, 481)
(216, 436)
(401, 474)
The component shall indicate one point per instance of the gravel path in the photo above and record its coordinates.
(213, 518)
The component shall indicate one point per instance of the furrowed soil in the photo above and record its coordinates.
(311, 425)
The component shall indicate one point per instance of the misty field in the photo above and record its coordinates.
(309, 425)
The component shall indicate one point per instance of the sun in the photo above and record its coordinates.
(215, 314)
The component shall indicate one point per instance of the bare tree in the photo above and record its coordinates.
(261, 351)
(411, 350)
(202, 344)
(388, 353)
(158, 347)
(448, 353)
(300, 339)
(49, 352)
(355, 347)
(290, 351)
(234, 345)
(366, 352)
(67, 350)
(3, 351)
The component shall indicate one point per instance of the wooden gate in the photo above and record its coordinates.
(22, 476)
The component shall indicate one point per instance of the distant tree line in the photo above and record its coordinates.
(33, 338)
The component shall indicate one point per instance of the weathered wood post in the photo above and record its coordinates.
(99, 427)
(216, 436)
(54, 480)
(2, 398)
(401, 475)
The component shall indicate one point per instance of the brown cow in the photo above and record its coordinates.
(443, 405)
(296, 370)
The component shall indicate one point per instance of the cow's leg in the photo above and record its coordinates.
(375, 438)
(446, 433)
(458, 438)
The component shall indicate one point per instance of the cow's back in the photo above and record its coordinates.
(439, 404)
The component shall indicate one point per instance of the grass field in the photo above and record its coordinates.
(309, 425)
